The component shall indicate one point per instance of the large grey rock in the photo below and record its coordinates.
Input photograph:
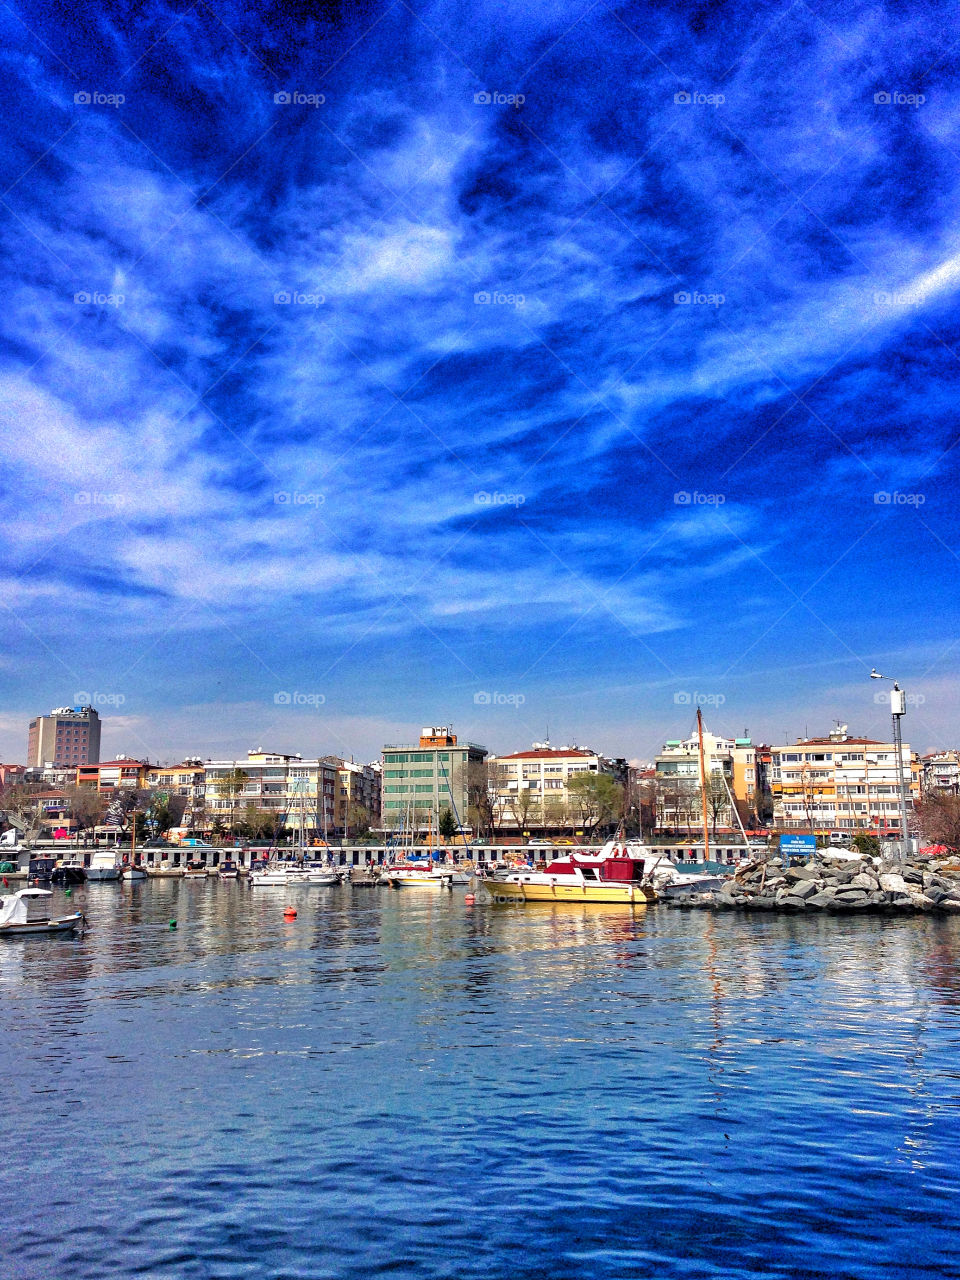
(948, 904)
(795, 874)
(792, 903)
(805, 889)
(864, 880)
(822, 899)
(893, 882)
(847, 894)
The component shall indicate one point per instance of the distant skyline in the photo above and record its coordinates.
(580, 354)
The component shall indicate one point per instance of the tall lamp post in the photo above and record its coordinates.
(898, 707)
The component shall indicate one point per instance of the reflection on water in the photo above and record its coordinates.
(402, 1084)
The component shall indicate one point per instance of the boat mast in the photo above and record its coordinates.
(703, 789)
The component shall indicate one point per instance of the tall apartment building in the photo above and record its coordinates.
(67, 736)
(732, 768)
(530, 789)
(275, 783)
(358, 788)
(840, 783)
(424, 779)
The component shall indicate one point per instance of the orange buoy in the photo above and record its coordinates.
(289, 913)
(469, 899)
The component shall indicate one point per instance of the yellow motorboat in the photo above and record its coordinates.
(611, 875)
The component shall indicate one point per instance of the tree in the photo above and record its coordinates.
(597, 797)
(85, 805)
(447, 825)
(717, 799)
(358, 819)
(866, 845)
(165, 812)
(938, 816)
(484, 801)
(523, 806)
(229, 787)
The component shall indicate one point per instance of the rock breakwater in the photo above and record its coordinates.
(838, 885)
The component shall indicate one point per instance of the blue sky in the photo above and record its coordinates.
(619, 369)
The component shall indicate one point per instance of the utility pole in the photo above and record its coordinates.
(898, 708)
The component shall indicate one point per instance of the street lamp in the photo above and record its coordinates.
(898, 707)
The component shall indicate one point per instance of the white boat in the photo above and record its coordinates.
(418, 875)
(195, 871)
(293, 873)
(318, 874)
(133, 871)
(27, 913)
(228, 870)
(103, 867)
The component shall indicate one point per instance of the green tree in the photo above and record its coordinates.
(358, 819)
(866, 845)
(448, 825)
(597, 797)
(229, 787)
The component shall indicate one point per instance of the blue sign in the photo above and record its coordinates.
(798, 846)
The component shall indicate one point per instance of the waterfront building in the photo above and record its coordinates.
(358, 789)
(274, 783)
(941, 772)
(435, 774)
(67, 736)
(114, 775)
(841, 783)
(531, 789)
(731, 764)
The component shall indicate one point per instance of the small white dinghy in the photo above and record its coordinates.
(27, 913)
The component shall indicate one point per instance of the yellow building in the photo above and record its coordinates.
(841, 784)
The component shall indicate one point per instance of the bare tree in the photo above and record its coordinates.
(938, 816)
(598, 797)
(20, 804)
(85, 805)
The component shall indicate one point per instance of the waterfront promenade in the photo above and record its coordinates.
(403, 1085)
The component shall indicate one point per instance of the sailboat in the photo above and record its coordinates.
(300, 867)
(133, 870)
(703, 873)
(413, 871)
